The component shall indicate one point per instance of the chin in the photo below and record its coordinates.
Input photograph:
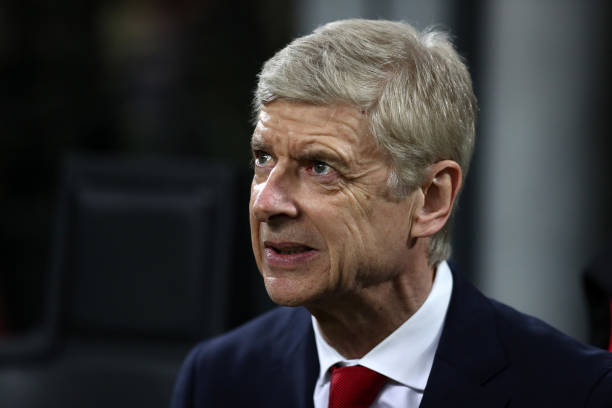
(282, 298)
(285, 293)
(283, 301)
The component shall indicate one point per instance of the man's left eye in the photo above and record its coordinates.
(321, 168)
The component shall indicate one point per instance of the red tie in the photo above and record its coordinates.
(354, 387)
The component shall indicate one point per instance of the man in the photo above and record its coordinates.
(363, 137)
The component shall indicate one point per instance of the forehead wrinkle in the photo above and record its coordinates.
(322, 119)
(266, 134)
(351, 126)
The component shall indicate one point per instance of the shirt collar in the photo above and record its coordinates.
(406, 355)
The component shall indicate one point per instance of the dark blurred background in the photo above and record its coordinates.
(135, 78)
(172, 80)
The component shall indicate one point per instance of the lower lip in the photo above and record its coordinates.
(273, 258)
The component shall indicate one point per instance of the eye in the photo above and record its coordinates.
(262, 159)
(320, 168)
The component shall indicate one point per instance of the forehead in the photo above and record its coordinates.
(304, 122)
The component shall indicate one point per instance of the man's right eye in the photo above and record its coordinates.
(262, 159)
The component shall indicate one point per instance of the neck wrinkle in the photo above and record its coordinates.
(355, 323)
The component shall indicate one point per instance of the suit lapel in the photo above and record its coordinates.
(450, 387)
(469, 356)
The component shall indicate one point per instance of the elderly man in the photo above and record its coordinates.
(363, 136)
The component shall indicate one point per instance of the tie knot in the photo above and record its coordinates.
(354, 387)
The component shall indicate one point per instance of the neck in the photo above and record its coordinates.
(354, 323)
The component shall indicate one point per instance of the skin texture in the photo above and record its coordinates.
(319, 188)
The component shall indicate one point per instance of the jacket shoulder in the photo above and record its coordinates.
(249, 355)
(491, 349)
(525, 335)
(542, 357)
(254, 337)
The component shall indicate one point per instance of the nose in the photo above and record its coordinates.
(272, 198)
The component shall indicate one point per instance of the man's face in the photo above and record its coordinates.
(322, 219)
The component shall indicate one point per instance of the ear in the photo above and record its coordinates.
(437, 194)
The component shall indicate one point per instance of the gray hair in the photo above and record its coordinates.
(414, 88)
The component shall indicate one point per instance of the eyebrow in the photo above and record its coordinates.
(258, 144)
(317, 154)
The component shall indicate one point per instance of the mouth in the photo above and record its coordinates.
(287, 248)
(287, 254)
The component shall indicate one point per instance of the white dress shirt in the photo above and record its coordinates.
(405, 356)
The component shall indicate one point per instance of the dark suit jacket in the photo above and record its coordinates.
(489, 356)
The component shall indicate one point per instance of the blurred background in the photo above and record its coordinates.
(95, 92)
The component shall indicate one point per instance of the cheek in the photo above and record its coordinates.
(252, 221)
(253, 196)
(346, 231)
(254, 226)
(350, 216)
(364, 224)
